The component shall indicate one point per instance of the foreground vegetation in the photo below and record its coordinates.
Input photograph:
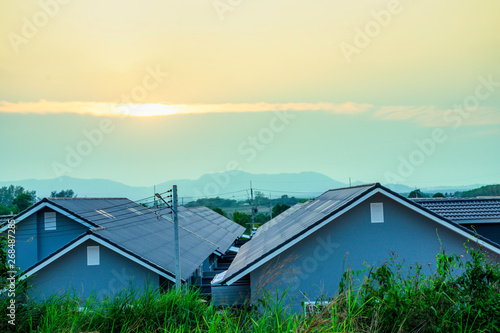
(391, 299)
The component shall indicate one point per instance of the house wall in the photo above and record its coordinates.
(33, 242)
(51, 240)
(70, 272)
(26, 242)
(314, 266)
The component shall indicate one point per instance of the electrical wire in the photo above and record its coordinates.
(118, 219)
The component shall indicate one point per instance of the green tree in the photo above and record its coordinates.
(260, 199)
(8, 194)
(63, 194)
(417, 194)
(219, 210)
(261, 218)
(243, 219)
(212, 202)
(489, 190)
(6, 210)
(4, 267)
(438, 195)
(23, 201)
(279, 208)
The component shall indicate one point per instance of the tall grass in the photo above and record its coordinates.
(391, 299)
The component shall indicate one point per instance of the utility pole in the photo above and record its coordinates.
(154, 198)
(251, 205)
(177, 246)
(176, 235)
(270, 206)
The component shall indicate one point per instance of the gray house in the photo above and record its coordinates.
(481, 215)
(306, 251)
(103, 245)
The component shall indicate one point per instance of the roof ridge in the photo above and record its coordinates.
(86, 198)
(457, 199)
(355, 186)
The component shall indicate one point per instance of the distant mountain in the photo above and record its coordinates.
(82, 187)
(228, 184)
(403, 189)
(399, 188)
(236, 183)
(233, 184)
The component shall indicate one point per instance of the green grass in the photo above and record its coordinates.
(391, 299)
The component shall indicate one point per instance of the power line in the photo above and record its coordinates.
(118, 219)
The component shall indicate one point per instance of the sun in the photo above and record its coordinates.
(147, 110)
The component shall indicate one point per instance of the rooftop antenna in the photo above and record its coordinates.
(349, 181)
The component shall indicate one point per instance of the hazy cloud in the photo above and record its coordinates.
(426, 116)
(109, 109)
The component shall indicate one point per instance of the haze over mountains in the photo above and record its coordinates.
(233, 184)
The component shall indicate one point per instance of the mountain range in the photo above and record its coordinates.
(233, 184)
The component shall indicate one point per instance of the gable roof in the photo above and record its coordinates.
(89, 236)
(462, 209)
(52, 203)
(313, 215)
(134, 229)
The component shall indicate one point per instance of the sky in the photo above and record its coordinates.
(142, 92)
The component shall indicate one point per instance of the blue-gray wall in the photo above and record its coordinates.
(51, 240)
(70, 272)
(314, 266)
(33, 242)
(26, 242)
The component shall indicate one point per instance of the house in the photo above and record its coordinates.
(306, 252)
(481, 214)
(101, 246)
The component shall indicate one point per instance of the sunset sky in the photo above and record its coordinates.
(142, 92)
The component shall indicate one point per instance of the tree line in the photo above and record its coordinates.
(484, 191)
(15, 199)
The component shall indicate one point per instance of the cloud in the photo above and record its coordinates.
(45, 107)
(431, 116)
(425, 116)
(109, 109)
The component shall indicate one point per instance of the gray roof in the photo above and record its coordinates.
(277, 219)
(279, 231)
(462, 209)
(140, 232)
(220, 230)
(208, 224)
